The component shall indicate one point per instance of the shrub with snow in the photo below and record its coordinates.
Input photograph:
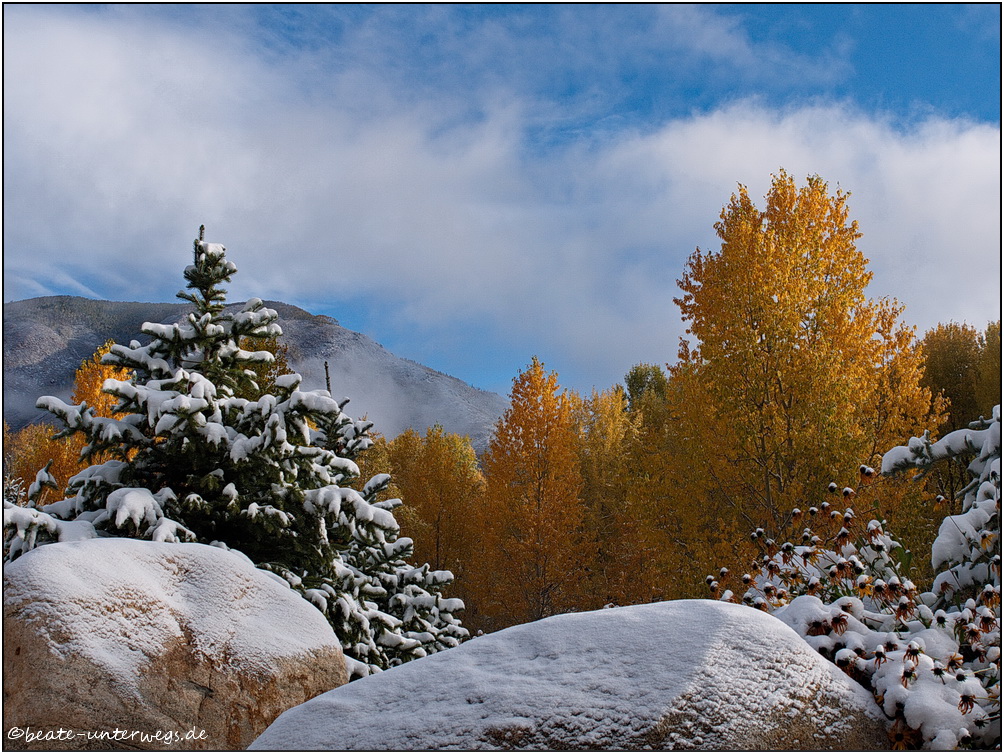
(189, 461)
(932, 659)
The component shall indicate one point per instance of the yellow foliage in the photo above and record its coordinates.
(797, 377)
(29, 449)
(26, 451)
(440, 482)
(534, 550)
(622, 557)
(438, 479)
(89, 379)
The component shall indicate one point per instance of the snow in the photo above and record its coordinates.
(118, 602)
(606, 678)
(132, 504)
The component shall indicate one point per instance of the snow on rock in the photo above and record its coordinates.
(690, 674)
(149, 636)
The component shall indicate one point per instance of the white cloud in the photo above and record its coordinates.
(121, 136)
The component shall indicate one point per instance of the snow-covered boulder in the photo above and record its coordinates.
(157, 641)
(691, 674)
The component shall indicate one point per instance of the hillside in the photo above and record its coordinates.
(45, 339)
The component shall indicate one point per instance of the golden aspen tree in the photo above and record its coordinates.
(29, 449)
(653, 524)
(951, 354)
(677, 490)
(606, 430)
(439, 477)
(988, 370)
(89, 379)
(534, 553)
(959, 367)
(796, 376)
(377, 460)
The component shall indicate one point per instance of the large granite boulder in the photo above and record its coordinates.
(691, 674)
(125, 644)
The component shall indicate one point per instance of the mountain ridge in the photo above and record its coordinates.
(46, 338)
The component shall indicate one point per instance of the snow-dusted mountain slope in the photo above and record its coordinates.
(45, 339)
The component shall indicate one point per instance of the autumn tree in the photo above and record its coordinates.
(437, 475)
(606, 430)
(89, 380)
(534, 552)
(28, 450)
(31, 448)
(988, 370)
(952, 352)
(795, 377)
(963, 366)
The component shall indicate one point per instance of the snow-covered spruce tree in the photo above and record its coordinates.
(191, 462)
(932, 659)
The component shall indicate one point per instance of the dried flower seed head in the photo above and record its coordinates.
(839, 623)
(903, 737)
(987, 619)
(879, 656)
(990, 596)
(843, 537)
(818, 627)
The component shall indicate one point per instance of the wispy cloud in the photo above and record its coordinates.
(405, 187)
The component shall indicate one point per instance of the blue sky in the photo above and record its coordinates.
(475, 185)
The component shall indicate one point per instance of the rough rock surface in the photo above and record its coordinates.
(150, 637)
(690, 674)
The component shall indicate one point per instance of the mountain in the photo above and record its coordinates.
(45, 340)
